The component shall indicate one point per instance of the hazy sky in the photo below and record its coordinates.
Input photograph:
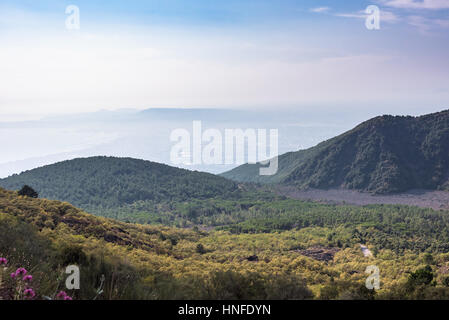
(238, 54)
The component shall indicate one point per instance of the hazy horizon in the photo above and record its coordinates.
(77, 84)
(144, 134)
(283, 55)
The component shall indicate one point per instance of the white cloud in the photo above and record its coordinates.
(427, 25)
(385, 16)
(351, 15)
(421, 23)
(417, 4)
(389, 16)
(320, 9)
(54, 70)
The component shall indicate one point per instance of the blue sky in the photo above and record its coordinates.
(236, 54)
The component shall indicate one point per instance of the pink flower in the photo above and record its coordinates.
(13, 275)
(62, 294)
(3, 261)
(29, 293)
(21, 271)
(68, 298)
(28, 278)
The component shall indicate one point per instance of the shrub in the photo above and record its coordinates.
(28, 192)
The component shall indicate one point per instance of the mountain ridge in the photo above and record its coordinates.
(386, 154)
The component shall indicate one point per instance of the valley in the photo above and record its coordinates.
(271, 249)
(153, 231)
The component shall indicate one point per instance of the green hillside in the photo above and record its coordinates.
(98, 184)
(386, 154)
(283, 249)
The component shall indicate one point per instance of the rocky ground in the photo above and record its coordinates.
(422, 198)
(320, 253)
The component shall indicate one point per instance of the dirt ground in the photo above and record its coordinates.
(422, 198)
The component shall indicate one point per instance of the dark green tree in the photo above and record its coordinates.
(428, 258)
(446, 281)
(422, 276)
(28, 192)
(200, 249)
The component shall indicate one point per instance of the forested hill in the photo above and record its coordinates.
(108, 182)
(386, 154)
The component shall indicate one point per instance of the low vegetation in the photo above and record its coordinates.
(249, 257)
